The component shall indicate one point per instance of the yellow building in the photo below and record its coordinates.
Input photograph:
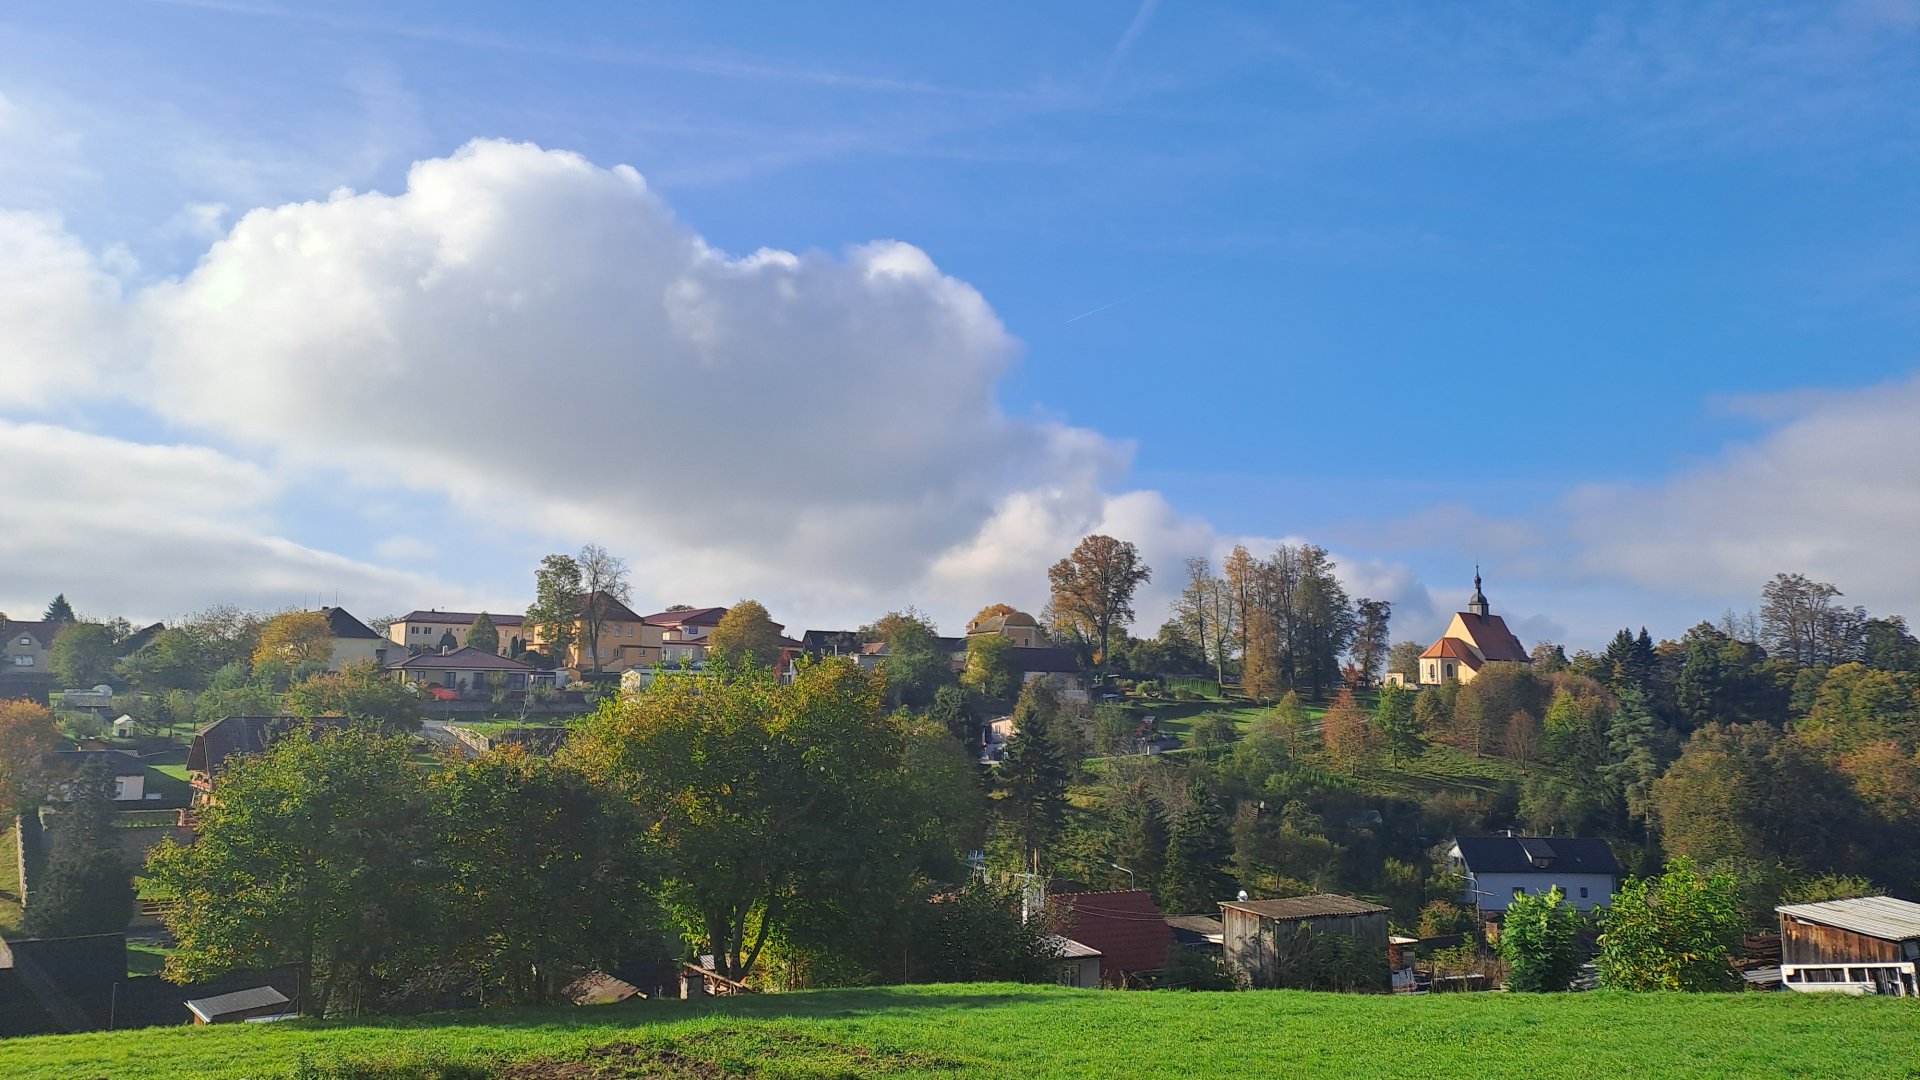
(425, 631)
(1475, 638)
(1018, 627)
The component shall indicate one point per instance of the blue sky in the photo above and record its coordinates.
(1563, 289)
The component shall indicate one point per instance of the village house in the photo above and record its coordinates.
(1124, 930)
(1496, 869)
(623, 641)
(1475, 638)
(354, 642)
(1267, 944)
(23, 659)
(680, 637)
(427, 631)
(1866, 945)
(463, 673)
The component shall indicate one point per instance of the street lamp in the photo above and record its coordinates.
(1125, 871)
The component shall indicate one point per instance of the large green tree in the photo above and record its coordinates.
(990, 671)
(554, 616)
(604, 590)
(314, 853)
(59, 611)
(1036, 772)
(545, 874)
(174, 660)
(765, 799)
(1093, 588)
(1199, 856)
(916, 664)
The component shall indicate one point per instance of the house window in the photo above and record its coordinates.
(26, 640)
(23, 661)
(1449, 669)
(1583, 892)
(1519, 890)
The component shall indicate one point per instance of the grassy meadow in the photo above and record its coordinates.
(1011, 1031)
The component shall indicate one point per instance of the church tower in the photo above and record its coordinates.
(1478, 605)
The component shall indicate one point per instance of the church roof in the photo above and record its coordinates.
(1491, 636)
(1450, 648)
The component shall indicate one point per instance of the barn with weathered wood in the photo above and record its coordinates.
(1866, 945)
(1319, 942)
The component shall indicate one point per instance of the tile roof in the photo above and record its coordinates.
(1875, 916)
(344, 625)
(1494, 640)
(706, 616)
(1317, 906)
(1449, 648)
(464, 618)
(42, 631)
(1126, 927)
(615, 610)
(1537, 855)
(465, 658)
(994, 624)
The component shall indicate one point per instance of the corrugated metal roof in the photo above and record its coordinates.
(1875, 916)
(1319, 905)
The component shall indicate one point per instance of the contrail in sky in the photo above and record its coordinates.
(1134, 295)
(1127, 40)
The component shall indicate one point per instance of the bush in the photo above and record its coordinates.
(1539, 940)
(1672, 932)
(1192, 969)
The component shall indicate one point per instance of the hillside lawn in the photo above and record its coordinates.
(1006, 1030)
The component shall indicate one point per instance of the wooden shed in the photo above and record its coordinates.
(1273, 944)
(1866, 945)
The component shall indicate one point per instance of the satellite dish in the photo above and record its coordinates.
(1243, 894)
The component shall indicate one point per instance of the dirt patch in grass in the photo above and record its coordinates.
(716, 1055)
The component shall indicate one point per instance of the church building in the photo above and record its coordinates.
(1475, 638)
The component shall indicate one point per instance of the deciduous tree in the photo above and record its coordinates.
(1540, 941)
(293, 638)
(1093, 587)
(766, 799)
(604, 589)
(554, 615)
(362, 693)
(27, 735)
(1393, 718)
(746, 635)
(1673, 932)
(312, 854)
(82, 653)
(1370, 639)
(990, 671)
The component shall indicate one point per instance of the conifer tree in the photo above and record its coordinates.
(1199, 853)
(59, 611)
(483, 635)
(86, 888)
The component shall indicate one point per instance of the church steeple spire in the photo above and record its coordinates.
(1478, 605)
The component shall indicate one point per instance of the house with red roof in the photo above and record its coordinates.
(1126, 929)
(1475, 638)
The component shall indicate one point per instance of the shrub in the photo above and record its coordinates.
(1672, 932)
(1539, 940)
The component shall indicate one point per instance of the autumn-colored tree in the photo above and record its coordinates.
(1351, 741)
(746, 634)
(294, 637)
(1887, 779)
(27, 735)
(1093, 588)
(989, 612)
(1209, 616)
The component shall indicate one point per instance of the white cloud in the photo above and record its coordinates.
(60, 313)
(1833, 491)
(156, 531)
(540, 339)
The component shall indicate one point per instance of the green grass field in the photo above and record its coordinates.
(1023, 1031)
